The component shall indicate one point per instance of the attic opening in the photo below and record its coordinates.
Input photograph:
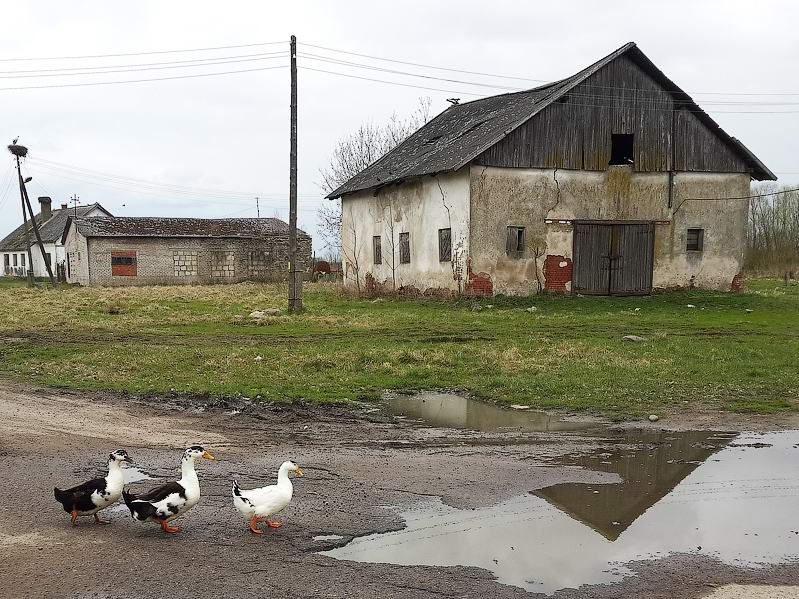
(621, 149)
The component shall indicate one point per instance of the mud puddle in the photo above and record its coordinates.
(732, 497)
(454, 411)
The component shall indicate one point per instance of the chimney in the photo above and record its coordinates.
(45, 208)
(63, 206)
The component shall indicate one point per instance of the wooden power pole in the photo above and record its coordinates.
(295, 274)
(20, 152)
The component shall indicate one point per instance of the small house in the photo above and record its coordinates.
(51, 224)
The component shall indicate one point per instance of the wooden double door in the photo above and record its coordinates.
(613, 257)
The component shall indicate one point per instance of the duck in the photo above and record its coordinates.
(97, 494)
(259, 504)
(167, 502)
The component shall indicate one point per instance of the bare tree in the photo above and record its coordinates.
(352, 265)
(355, 152)
(772, 234)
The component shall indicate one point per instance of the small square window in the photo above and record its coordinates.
(444, 245)
(377, 249)
(514, 245)
(123, 264)
(696, 240)
(621, 149)
(405, 248)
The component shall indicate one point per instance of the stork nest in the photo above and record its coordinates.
(18, 150)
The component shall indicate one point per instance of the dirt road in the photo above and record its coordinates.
(361, 468)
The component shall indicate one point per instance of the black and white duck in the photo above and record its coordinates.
(167, 502)
(97, 494)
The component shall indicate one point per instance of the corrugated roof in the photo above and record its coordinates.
(119, 226)
(50, 230)
(464, 131)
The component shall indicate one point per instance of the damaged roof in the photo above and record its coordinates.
(464, 131)
(51, 230)
(128, 226)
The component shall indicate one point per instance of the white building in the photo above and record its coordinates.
(594, 184)
(51, 224)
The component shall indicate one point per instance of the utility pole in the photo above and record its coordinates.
(74, 200)
(20, 152)
(295, 275)
(258, 206)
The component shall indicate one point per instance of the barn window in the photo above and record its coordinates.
(621, 148)
(405, 248)
(377, 249)
(444, 245)
(514, 245)
(696, 240)
(123, 264)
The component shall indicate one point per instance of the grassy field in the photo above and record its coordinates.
(568, 353)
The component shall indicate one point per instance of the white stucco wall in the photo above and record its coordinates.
(419, 207)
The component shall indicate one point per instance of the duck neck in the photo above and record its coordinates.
(187, 470)
(114, 479)
(283, 479)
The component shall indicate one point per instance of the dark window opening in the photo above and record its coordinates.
(6, 260)
(22, 260)
(696, 240)
(69, 272)
(15, 260)
(377, 249)
(514, 245)
(47, 258)
(444, 245)
(123, 264)
(405, 248)
(621, 149)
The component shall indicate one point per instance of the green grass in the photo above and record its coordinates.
(568, 354)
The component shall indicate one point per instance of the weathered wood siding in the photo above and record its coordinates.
(575, 133)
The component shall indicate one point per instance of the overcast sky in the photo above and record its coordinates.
(229, 133)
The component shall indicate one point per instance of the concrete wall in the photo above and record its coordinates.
(419, 207)
(502, 197)
(176, 261)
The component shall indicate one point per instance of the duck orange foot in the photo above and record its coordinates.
(254, 526)
(273, 524)
(74, 517)
(166, 528)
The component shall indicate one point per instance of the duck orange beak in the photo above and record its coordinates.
(207, 456)
(298, 471)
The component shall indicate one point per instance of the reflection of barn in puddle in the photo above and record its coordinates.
(454, 411)
(650, 464)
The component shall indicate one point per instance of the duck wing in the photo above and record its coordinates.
(161, 502)
(79, 497)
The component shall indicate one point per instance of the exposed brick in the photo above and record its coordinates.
(479, 284)
(556, 276)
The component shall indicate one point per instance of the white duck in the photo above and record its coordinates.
(259, 504)
(167, 502)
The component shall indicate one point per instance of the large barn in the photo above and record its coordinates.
(611, 181)
(151, 251)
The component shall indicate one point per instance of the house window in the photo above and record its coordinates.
(377, 249)
(621, 148)
(16, 260)
(123, 264)
(47, 258)
(405, 248)
(6, 261)
(22, 260)
(444, 245)
(696, 240)
(514, 245)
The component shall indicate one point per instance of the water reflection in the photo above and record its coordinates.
(454, 411)
(680, 492)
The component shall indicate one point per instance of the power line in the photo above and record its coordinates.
(553, 82)
(145, 64)
(435, 89)
(169, 186)
(144, 53)
(143, 80)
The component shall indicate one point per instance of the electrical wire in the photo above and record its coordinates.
(435, 89)
(61, 85)
(248, 195)
(124, 69)
(145, 53)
